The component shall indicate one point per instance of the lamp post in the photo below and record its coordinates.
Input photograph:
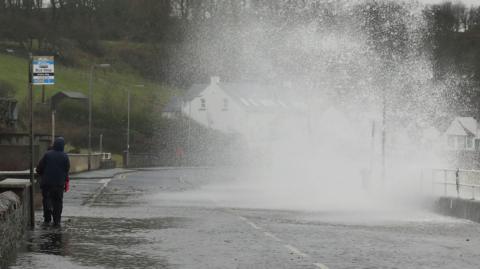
(92, 70)
(127, 151)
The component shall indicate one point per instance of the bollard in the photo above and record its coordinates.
(473, 192)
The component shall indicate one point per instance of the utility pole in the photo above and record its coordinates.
(128, 130)
(189, 134)
(53, 125)
(384, 134)
(101, 143)
(90, 89)
(31, 148)
(90, 97)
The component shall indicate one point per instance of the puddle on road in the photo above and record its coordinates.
(96, 242)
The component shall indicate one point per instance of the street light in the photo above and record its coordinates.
(92, 70)
(127, 152)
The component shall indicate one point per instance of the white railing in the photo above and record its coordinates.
(456, 182)
(106, 156)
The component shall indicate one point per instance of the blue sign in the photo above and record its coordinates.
(43, 70)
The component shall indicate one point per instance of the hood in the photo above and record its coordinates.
(59, 144)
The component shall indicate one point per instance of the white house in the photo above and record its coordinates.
(248, 109)
(462, 134)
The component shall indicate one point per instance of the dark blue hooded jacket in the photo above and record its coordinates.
(54, 165)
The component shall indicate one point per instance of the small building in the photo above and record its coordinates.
(462, 134)
(245, 108)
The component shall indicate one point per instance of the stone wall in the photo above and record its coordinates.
(460, 208)
(13, 223)
(16, 157)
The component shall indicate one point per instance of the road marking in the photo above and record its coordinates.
(105, 181)
(249, 222)
(296, 251)
(320, 265)
(241, 217)
(291, 248)
(99, 190)
(274, 237)
(253, 225)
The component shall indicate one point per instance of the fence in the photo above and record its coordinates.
(456, 182)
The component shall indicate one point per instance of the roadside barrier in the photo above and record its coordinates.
(456, 182)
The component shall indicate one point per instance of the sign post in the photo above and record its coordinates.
(40, 72)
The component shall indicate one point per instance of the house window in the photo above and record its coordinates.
(225, 104)
(469, 142)
(203, 104)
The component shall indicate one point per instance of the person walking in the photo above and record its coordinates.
(53, 169)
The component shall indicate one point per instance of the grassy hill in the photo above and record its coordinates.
(109, 100)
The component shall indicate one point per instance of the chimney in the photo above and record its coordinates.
(214, 80)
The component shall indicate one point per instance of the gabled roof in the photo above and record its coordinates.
(194, 91)
(58, 97)
(250, 96)
(469, 124)
(70, 94)
(256, 97)
(463, 126)
(174, 105)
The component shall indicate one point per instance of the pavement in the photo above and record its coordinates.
(191, 218)
(100, 174)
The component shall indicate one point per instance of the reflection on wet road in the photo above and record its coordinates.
(168, 219)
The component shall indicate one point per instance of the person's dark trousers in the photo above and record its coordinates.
(52, 203)
(47, 205)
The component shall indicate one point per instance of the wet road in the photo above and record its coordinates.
(167, 219)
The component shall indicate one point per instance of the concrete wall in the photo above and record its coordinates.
(460, 208)
(79, 162)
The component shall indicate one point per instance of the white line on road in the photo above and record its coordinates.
(100, 190)
(320, 265)
(104, 181)
(296, 251)
(274, 237)
(291, 248)
(253, 225)
(240, 217)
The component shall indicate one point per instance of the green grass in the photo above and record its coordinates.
(108, 83)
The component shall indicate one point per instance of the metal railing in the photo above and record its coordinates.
(459, 182)
(106, 156)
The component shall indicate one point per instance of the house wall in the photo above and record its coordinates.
(256, 127)
(460, 142)
(215, 115)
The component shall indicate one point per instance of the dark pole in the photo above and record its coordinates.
(384, 121)
(90, 118)
(32, 174)
(43, 94)
(127, 163)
